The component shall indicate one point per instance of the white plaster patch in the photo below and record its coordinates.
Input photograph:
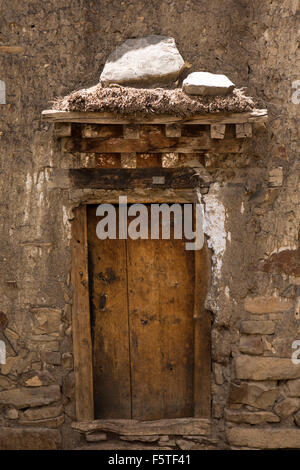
(28, 184)
(2, 92)
(214, 227)
(66, 223)
(227, 292)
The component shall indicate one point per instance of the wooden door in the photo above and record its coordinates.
(142, 306)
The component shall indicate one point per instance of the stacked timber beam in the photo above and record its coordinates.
(106, 134)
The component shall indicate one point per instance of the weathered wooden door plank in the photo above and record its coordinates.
(161, 297)
(82, 343)
(108, 273)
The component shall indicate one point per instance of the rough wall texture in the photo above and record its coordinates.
(254, 300)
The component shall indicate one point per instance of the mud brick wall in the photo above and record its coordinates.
(51, 48)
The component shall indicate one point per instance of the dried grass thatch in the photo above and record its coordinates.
(148, 102)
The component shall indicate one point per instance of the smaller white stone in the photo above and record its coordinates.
(205, 83)
(2, 92)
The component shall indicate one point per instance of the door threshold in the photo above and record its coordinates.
(131, 427)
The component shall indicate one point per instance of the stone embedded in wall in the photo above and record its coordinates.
(185, 444)
(264, 438)
(46, 320)
(102, 436)
(47, 346)
(129, 438)
(248, 417)
(276, 177)
(11, 413)
(30, 397)
(51, 423)
(221, 345)
(271, 304)
(29, 439)
(265, 368)
(218, 373)
(6, 383)
(44, 412)
(297, 418)
(207, 84)
(251, 345)
(258, 396)
(17, 364)
(68, 387)
(293, 387)
(286, 261)
(3, 321)
(51, 357)
(253, 327)
(37, 378)
(67, 361)
(287, 407)
(150, 60)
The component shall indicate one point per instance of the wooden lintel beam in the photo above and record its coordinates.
(152, 177)
(153, 144)
(257, 115)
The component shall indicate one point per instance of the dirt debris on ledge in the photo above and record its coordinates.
(148, 102)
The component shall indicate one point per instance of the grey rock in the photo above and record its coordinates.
(287, 407)
(29, 439)
(30, 397)
(207, 84)
(249, 417)
(294, 388)
(46, 412)
(252, 327)
(265, 368)
(264, 438)
(258, 396)
(150, 60)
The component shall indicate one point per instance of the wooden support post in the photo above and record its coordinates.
(82, 342)
(131, 131)
(243, 130)
(173, 130)
(217, 131)
(202, 335)
(63, 129)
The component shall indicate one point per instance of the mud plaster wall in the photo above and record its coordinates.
(63, 46)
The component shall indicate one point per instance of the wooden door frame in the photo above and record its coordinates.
(82, 339)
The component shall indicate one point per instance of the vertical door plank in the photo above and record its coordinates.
(202, 336)
(109, 305)
(82, 344)
(161, 300)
